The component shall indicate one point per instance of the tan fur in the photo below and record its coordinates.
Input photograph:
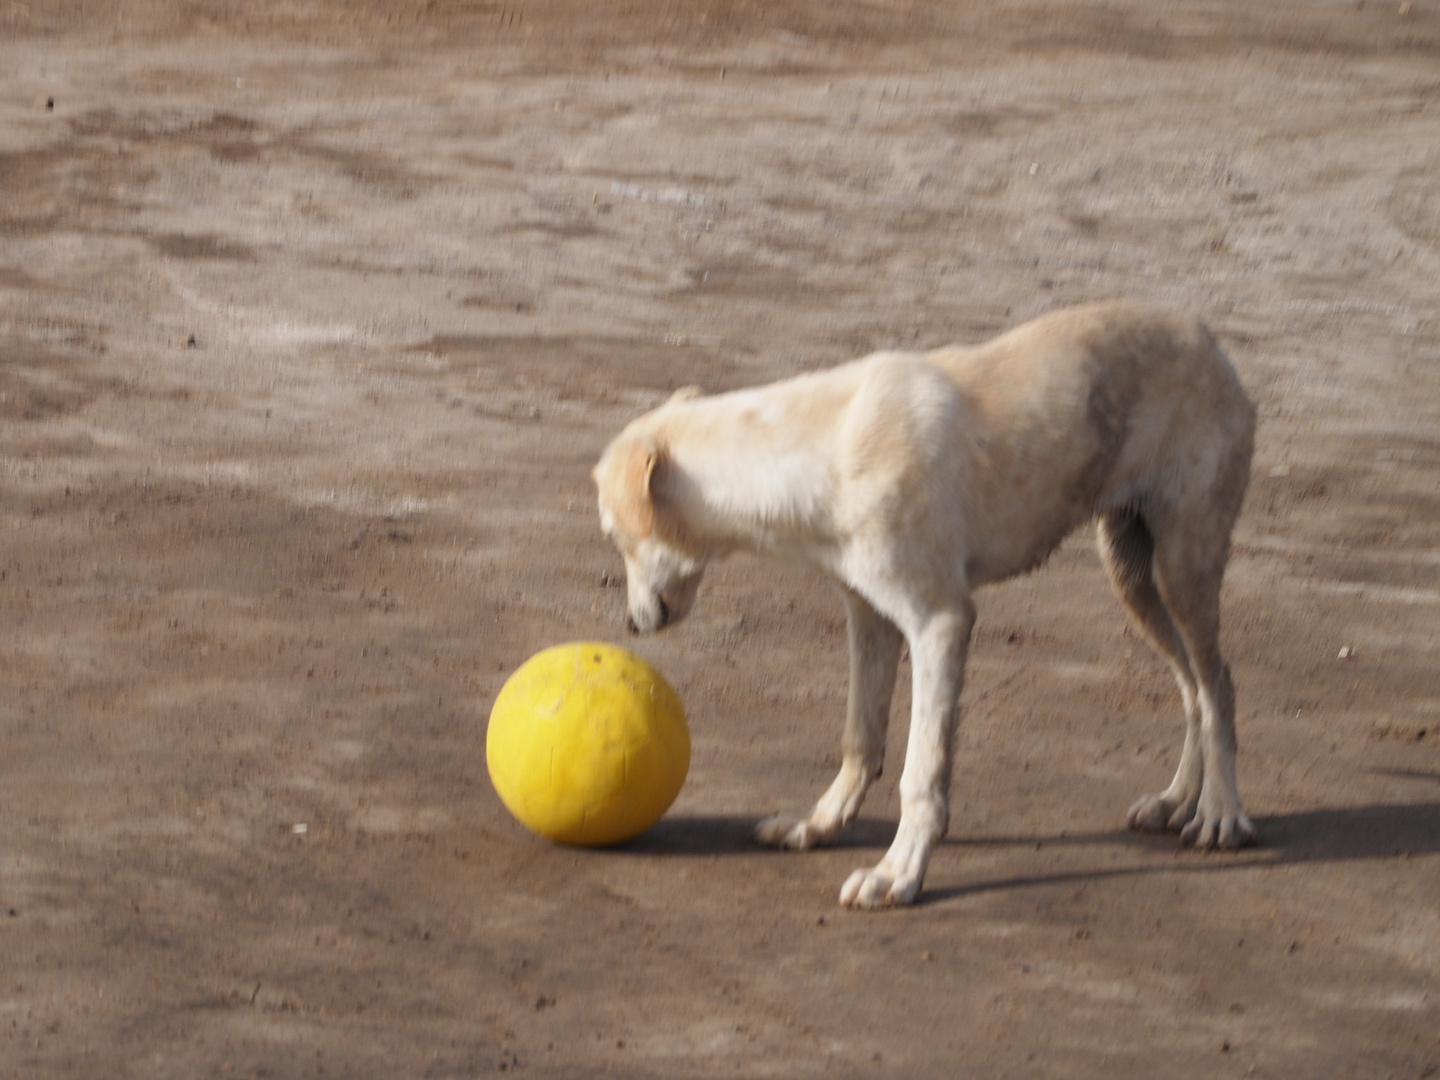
(913, 479)
(634, 466)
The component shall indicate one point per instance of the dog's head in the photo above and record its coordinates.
(662, 569)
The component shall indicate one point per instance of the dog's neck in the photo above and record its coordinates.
(759, 488)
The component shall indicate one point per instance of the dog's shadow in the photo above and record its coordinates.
(1322, 835)
(734, 835)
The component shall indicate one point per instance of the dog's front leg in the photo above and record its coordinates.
(938, 658)
(874, 656)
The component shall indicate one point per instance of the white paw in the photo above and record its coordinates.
(1161, 812)
(871, 890)
(1219, 831)
(789, 832)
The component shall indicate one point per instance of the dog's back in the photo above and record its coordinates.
(1103, 407)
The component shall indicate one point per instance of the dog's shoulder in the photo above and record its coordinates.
(909, 384)
(904, 413)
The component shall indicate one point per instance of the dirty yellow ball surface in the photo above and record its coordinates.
(587, 744)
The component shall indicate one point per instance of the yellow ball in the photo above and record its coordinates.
(587, 744)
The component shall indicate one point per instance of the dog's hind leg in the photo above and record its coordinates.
(1185, 542)
(1189, 564)
(938, 649)
(874, 655)
(1128, 550)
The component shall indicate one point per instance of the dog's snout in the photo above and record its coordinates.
(661, 620)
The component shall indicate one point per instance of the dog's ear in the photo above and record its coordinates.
(634, 496)
(685, 393)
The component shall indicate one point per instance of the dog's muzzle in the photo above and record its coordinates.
(660, 625)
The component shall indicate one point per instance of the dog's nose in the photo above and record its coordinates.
(630, 625)
(664, 613)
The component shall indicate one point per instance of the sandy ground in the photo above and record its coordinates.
(311, 326)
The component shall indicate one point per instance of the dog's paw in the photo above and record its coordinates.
(1220, 831)
(789, 832)
(871, 890)
(1160, 813)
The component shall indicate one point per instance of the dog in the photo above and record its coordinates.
(913, 479)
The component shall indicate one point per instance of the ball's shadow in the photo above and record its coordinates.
(735, 835)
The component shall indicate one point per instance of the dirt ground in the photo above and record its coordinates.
(311, 326)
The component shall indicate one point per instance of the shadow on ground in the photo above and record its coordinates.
(1326, 835)
(734, 835)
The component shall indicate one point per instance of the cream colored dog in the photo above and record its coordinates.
(912, 480)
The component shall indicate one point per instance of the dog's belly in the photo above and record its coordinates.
(1023, 501)
(1023, 542)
